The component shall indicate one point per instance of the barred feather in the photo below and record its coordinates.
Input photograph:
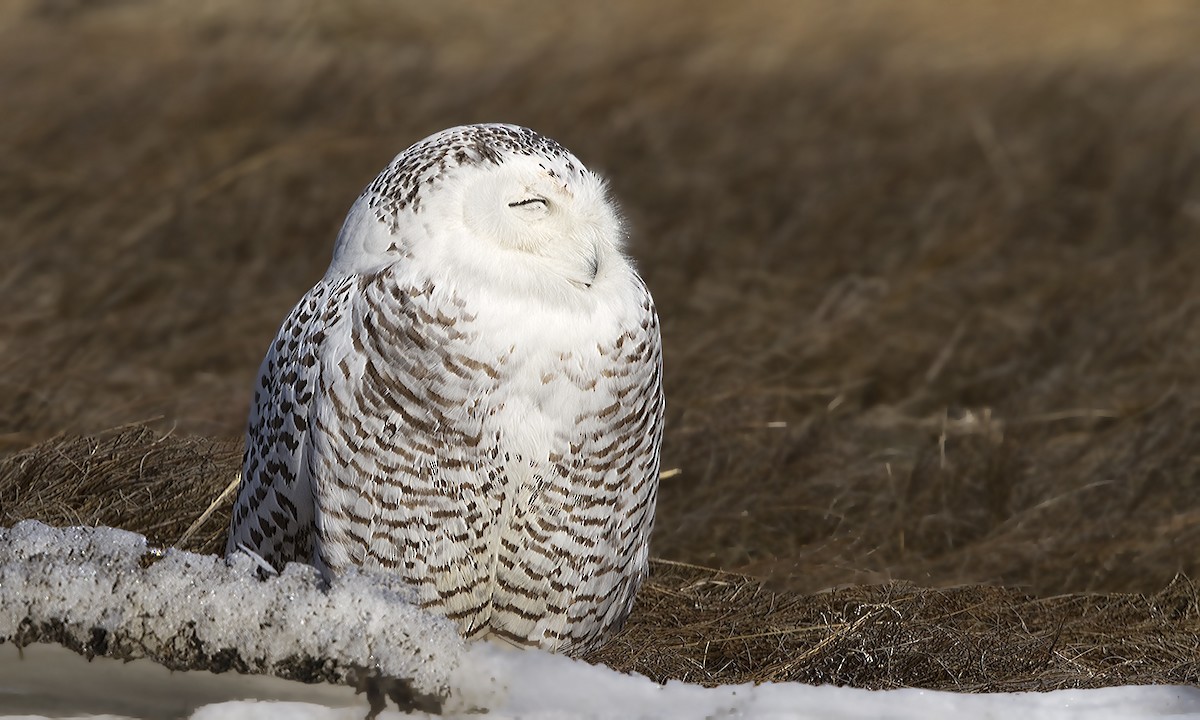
(476, 406)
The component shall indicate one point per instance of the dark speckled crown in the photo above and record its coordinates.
(424, 164)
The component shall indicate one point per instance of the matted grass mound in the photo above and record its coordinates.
(694, 623)
(700, 625)
(131, 478)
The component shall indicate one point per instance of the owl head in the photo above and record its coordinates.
(494, 204)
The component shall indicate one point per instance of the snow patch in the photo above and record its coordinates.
(103, 591)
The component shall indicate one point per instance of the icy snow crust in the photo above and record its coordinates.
(546, 687)
(104, 592)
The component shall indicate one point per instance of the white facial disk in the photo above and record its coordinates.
(559, 217)
(499, 203)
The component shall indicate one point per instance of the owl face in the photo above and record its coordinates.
(498, 204)
(550, 213)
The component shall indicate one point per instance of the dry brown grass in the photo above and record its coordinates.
(926, 274)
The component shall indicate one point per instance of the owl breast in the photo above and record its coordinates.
(518, 497)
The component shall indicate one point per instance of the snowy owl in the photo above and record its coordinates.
(471, 397)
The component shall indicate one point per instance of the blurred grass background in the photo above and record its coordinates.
(926, 270)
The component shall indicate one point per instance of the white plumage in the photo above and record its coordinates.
(471, 397)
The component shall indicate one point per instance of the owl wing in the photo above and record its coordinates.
(274, 511)
(396, 437)
(621, 445)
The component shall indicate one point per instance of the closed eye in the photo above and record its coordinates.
(527, 202)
